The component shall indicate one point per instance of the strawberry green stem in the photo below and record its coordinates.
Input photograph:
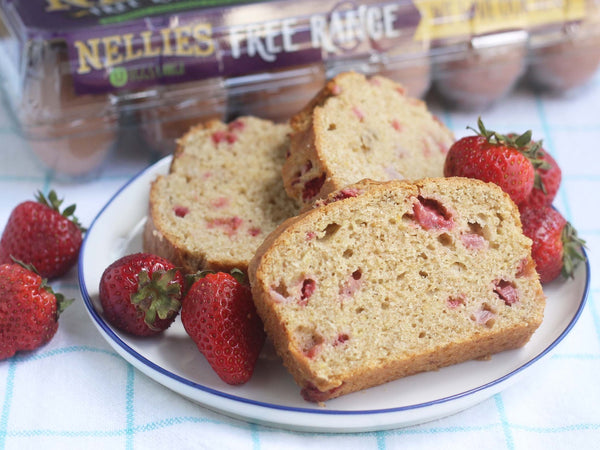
(572, 254)
(157, 296)
(53, 202)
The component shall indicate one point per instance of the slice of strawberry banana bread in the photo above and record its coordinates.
(387, 279)
(358, 127)
(223, 195)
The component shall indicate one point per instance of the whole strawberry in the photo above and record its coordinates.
(37, 233)
(141, 293)
(556, 249)
(548, 177)
(29, 309)
(219, 315)
(495, 158)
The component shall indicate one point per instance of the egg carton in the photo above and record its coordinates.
(78, 72)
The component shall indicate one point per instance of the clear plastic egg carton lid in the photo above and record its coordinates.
(76, 72)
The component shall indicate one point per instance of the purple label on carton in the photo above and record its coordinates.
(129, 45)
(162, 52)
(257, 47)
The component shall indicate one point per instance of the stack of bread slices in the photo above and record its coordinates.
(365, 264)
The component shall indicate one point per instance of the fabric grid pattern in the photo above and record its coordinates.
(76, 392)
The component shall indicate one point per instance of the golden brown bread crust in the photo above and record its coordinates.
(302, 120)
(481, 343)
(344, 135)
(394, 369)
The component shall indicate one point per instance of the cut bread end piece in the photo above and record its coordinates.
(388, 279)
(222, 196)
(358, 127)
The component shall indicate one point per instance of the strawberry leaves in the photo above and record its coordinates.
(496, 158)
(157, 295)
(54, 203)
(519, 142)
(141, 293)
(572, 254)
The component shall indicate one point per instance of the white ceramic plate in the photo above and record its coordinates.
(271, 397)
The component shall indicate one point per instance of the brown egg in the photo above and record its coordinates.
(277, 95)
(478, 77)
(407, 63)
(75, 148)
(569, 64)
(178, 107)
(414, 75)
(405, 58)
(72, 134)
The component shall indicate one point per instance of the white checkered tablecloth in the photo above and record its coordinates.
(77, 393)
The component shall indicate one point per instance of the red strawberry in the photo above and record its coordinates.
(219, 315)
(141, 293)
(556, 247)
(547, 181)
(37, 233)
(495, 158)
(29, 309)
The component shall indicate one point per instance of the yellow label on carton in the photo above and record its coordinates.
(495, 15)
(543, 12)
(575, 10)
(450, 18)
(443, 18)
